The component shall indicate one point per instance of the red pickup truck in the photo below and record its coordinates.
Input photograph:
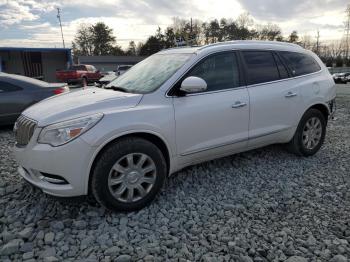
(79, 74)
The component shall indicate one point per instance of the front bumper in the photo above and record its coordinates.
(59, 171)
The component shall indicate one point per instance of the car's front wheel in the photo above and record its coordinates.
(128, 174)
(310, 134)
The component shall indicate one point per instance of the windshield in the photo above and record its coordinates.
(149, 74)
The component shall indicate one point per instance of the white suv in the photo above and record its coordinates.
(176, 108)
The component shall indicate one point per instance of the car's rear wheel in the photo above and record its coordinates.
(310, 134)
(128, 174)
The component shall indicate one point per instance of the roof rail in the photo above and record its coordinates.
(260, 42)
(178, 47)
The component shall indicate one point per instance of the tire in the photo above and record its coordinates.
(119, 156)
(297, 144)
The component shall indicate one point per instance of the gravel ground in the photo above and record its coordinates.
(263, 205)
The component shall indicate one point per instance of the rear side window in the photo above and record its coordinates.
(281, 68)
(220, 71)
(261, 67)
(6, 87)
(300, 64)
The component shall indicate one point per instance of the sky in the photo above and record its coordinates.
(34, 23)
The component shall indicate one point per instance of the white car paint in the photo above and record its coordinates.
(194, 128)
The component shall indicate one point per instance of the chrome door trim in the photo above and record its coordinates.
(268, 133)
(214, 147)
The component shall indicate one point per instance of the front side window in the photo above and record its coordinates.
(6, 87)
(300, 64)
(261, 67)
(220, 71)
(150, 74)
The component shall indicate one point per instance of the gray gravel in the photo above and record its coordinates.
(263, 205)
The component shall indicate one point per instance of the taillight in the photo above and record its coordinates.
(61, 90)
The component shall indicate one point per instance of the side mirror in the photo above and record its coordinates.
(193, 84)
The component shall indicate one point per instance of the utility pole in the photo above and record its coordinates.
(59, 19)
(347, 31)
(191, 34)
(318, 42)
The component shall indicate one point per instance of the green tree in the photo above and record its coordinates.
(103, 39)
(131, 49)
(151, 46)
(116, 50)
(95, 39)
(83, 41)
(293, 37)
(169, 37)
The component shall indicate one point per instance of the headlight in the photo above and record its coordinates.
(64, 132)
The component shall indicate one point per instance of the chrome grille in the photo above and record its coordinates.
(24, 129)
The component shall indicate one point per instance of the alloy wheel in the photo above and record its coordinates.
(312, 133)
(132, 177)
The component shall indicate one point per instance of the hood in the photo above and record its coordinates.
(80, 103)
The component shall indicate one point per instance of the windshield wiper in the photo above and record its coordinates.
(118, 88)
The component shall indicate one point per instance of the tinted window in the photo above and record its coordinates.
(300, 64)
(77, 67)
(220, 71)
(7, 87)
(282, 70)
(261, 67)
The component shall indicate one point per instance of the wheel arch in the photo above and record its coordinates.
(323, 108)
(150, 136)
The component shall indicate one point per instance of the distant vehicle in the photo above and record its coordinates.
(341, 78)
(106, 79)
(110, 76)
(122, 69)
(79, 74)
(19, 92)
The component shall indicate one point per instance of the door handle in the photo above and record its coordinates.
(291, 94)
(239, 104)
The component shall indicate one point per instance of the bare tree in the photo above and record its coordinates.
(306, 42)
(269, 32)
(245, 20)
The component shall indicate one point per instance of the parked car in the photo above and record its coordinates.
(341, 78)
(19, 92)
(122, 69)
(106, 79)
(79, 74)
(110, 76)
(176, 108)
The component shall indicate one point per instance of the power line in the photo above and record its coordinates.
(59, 19)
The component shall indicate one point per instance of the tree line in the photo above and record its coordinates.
(99, 39)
